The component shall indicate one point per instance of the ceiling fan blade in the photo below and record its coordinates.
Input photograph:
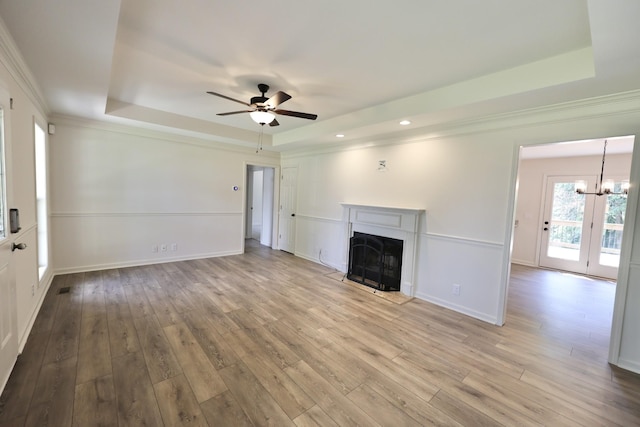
(274, 122)
(276, 100)
(296, 114)
(233, 112)
(229, 98)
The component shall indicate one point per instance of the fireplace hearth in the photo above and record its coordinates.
(375, 261)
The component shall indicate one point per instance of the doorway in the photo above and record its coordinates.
(259, 217)
(535, 164)
(557, 228)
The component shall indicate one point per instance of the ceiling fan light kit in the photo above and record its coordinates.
(262, 109)
(262, 117)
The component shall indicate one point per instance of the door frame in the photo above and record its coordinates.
(275, 220)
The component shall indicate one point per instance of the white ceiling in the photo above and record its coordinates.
(592, 147)
(361, 66)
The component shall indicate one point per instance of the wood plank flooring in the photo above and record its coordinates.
(268, 339)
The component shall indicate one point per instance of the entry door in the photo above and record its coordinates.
(582, 233)
(8, 315)
(287, 232)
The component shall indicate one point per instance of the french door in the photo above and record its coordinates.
(582, 233)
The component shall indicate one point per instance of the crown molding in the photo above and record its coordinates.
(584, 109)
(272, 157)
(13, 61)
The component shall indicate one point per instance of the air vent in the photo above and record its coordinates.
(64, 290)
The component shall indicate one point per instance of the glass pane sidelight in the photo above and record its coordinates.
(565, 227)
(41, 199)
(3, 222)
(616, 205)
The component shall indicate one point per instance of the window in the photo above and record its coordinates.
(41, 199)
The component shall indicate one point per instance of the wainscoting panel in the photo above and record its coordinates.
(445, 261)
(630, 347)
(91, 241)
(315, 234)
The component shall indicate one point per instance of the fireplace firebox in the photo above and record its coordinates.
(375, 261)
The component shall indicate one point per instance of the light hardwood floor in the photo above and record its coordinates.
(266, 338)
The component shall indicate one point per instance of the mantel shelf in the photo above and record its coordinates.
(414, 211)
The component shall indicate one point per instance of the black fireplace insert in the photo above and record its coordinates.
(375, 261)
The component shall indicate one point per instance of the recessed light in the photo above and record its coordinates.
(405, 123)
(340, 135)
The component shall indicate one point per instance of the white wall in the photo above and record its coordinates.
(464, 233)
(532, 175)
(119, 192)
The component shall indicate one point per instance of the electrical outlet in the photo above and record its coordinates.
(174, 247)
(163, 247)
(154, 248)
(456, 289)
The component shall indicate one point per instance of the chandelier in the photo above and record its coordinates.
(602, 187)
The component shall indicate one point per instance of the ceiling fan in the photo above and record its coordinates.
(263, 109)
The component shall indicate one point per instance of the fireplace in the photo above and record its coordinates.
(395, 223)
(375, 261)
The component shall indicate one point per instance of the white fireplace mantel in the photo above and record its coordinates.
(393, 222)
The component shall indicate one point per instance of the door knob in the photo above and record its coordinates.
(20, 246)
(293, 214)
(545, 229)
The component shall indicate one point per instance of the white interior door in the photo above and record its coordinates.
(8, 314)
(288, 203)
(582, 233)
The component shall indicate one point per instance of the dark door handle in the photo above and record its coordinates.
(545, 229)
(293, 214)
(19, 246)
(546, 223)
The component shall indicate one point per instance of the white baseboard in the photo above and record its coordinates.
(137, 263)
(458, 308)
(25, 336)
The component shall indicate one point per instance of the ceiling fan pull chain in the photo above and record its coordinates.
(259, 147)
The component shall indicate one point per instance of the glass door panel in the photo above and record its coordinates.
(615, 207)
(608, 226)
(565, 226)
(567, 223)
